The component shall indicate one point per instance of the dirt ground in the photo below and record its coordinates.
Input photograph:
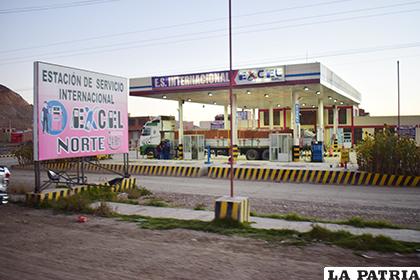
(38, 244)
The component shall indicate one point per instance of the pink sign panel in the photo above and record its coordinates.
(78, 113)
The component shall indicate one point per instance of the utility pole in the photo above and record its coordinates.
(398, 82)
(231, 98)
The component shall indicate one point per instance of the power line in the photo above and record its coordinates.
(171, 26)
(223, 30)
(330, 21)
(292, 8)
(332, 14)
(281, 60)
(201, 38)
(277, 60)
(54, 6)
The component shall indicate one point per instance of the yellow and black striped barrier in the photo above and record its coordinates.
(55, 194)
(126, 184)
(336, 148)
(155, 170)
(315, 176)
(162, 170)
(7, 156)
(180, 152)
(234, 208)
(235, 153)
(331, 155)
(296, 153)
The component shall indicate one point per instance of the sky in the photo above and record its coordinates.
(359, 40)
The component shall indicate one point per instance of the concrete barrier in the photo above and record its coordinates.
(7, 156)
(154, 170)
(56, 194)
(233, 208)
(315, 176)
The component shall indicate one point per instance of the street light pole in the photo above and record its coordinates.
(398, 82)
(231, 98)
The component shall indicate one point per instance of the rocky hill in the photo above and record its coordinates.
(14, 110)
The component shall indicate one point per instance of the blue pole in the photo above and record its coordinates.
(208, 155)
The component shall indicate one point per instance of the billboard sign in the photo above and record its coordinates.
(260, 75)
(78, 113)
(220, 78)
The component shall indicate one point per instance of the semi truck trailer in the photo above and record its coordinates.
(254, 144)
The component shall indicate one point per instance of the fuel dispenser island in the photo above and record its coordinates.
(194, 147)
(281, 147)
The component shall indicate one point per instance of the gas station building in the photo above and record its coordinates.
(289, 98)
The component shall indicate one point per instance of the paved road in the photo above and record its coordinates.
(353, 195)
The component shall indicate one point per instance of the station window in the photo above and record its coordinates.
(330, 116)
(342, 116)
(358, 135)
(276, 115)
(266, 121)
(308, 117)
(131, 122)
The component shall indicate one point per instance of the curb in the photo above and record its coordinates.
(163, 170)
(154, 170)
(316, 176)
(7, 156)
(55, 194)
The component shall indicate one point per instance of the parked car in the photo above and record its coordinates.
(4, 183)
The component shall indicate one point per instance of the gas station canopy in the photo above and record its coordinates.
(260, 87)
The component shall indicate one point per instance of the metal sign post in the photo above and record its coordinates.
(37, 177)
(126, 165)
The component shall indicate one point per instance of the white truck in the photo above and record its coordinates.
(154, 131)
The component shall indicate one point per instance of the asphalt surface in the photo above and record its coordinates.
(353, 195)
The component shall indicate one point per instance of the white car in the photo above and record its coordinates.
(4, 183)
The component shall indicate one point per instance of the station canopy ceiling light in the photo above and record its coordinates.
(266, 95)
(189, 99)
(278, 105)
(329, 97)
(318, 92)
(335, 100)
(248, 92)
(210, 94)
(306, 88)
(164, 97)
(214, 103)
(313, 106)
(303, 104)
(341, 102)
